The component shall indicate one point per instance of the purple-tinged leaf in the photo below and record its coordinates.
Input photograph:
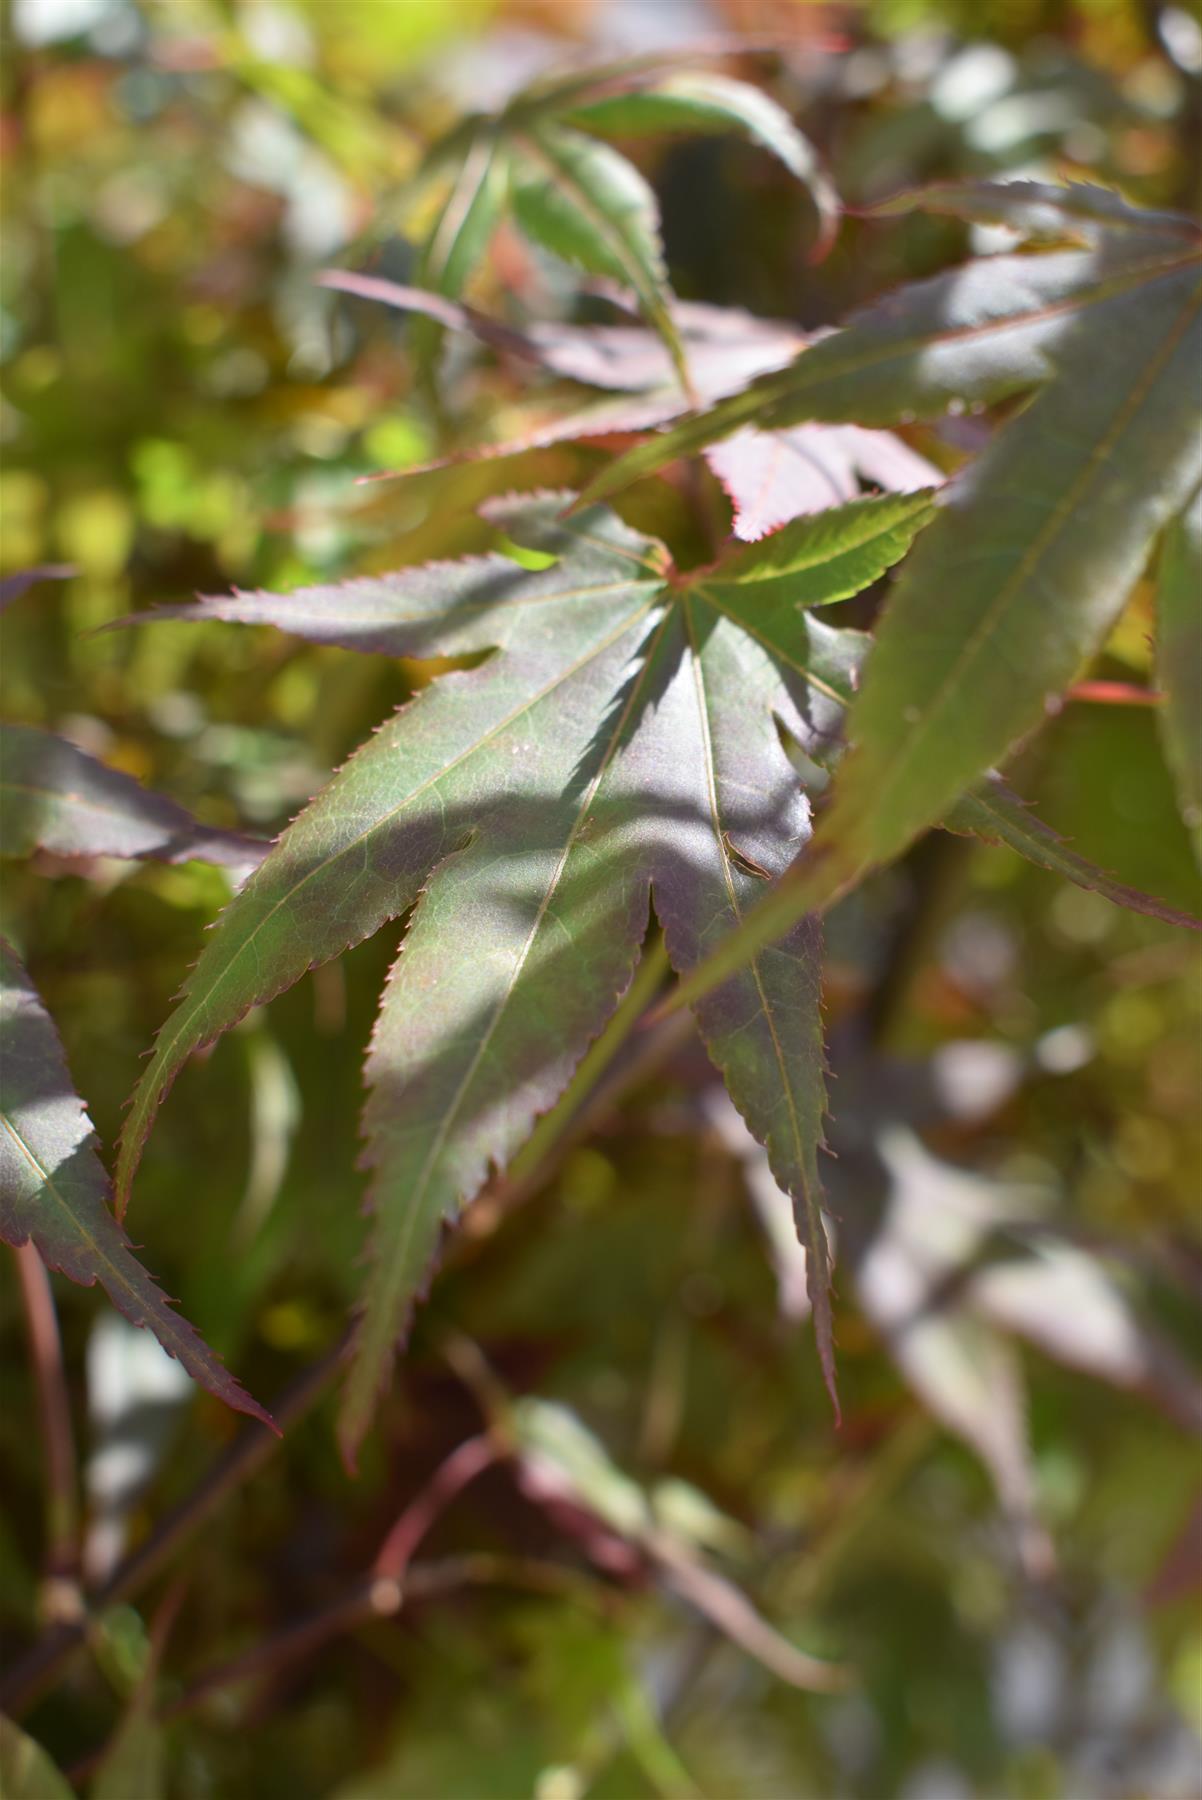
(13, 586)
(973, 335)
(1027, 565)
(53, 1187)
(618, 749)
(774, 476)
(724, 347)
(55, 797)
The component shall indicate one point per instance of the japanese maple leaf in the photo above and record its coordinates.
(620, 747)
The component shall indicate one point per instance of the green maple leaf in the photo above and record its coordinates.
(621, 741)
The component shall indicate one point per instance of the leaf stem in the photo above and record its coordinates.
(61, 1601)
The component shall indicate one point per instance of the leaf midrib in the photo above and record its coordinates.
(416, 1198)
(479, 744)
(1057, 520)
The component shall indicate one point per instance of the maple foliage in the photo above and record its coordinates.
(629, 738)
(721, 704)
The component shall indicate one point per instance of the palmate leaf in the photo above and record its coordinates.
(620, 743)
(970, 336)
(578, 197)
(770, 477)
(53, 1187)
(54, 796)
(1036, 545)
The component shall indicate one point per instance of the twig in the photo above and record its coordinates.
(463, 1465)
(373, 1598)
(61, 1600)
(30, 1676)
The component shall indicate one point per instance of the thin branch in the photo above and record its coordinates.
(61, 1600)
(371, 1599)
(33, 1673)
(463, 1465)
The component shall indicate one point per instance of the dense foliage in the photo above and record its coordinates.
(668, 637)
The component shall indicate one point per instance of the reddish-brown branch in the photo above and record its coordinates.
(61, 1600)
(462, 1466)
(21, 1684)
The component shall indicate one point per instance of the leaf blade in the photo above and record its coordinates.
(56, 797)
(589, 205)
(53, 1187)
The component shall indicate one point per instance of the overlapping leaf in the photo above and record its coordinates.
(770, 476)
(579, 198)
(1038, 544)
(621, 741)
(54, 796)
(53, 1187)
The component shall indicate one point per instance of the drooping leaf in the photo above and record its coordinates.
(1179, 657)
(996, 815)
(976, 334)
(1035, 547)
(578, 197)
(694, 101)
(620, 743)
(589, 205)
(53, 1187)
(54, 796)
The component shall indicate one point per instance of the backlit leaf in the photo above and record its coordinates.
(774, 476)
(620, 747)
(589, 205)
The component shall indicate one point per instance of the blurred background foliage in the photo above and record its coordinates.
(185, 409)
